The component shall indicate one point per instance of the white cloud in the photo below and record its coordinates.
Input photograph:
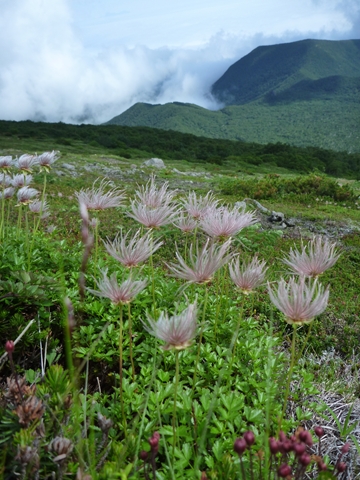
(49, 71)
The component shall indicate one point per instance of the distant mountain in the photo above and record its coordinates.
(272, 70)
(302, 93)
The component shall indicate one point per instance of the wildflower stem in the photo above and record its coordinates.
(2, 225)
(220, 289)
(242, 469)
(305, 343)
(19, 221)
(121, 326)
(292, 363)
(131, 343)
(233, 353)
(151, 260)
(175, 399)
(36, 226)
(202, 327)
(96, 230)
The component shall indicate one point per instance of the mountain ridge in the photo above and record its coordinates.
(304, 93)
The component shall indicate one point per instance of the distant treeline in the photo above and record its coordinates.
(130, 142)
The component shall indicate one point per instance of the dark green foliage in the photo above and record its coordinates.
(273, 186)
(134, 142)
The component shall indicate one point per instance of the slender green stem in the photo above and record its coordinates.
(170, 464)
(36, 227)
(85, 396)
(121, 327)
(175, 399)
(220, 288)
(27, 237)
(2, 224)
(202, 327)
(233, 348)
(19, 221)
(96, 231)
(131, 343)
(241, 313)
(151, 260)
(242, 469)
(305, 343)
(289, 377)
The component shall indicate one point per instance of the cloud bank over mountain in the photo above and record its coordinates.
(50, 70)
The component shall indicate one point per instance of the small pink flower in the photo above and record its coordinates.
(185, 223)
(6, 163)
(123, 293)
(5, 180)
(299, 301)
(46, 159)
(37, 206)
(197, 207)
(7, 193)
(20, 180)
(25, 195)
(152, 217)
(177, 331)
(314, 259)
(97, 198)
(132, 251)
(26, 162)
(153, 196)
(248, 276)
(224, 223)
(202, 264)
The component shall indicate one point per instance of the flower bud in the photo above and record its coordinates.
(287, 446)
(319, 432)
(306, 437)
(274, 445)
(284, 470)
(154, 442)
(299, 448)
(305, 459)
(240, 446)
(321, 465)
(282, 436)
(9, 346)
(249, 438)
(341, 467)
(345, 448)
(143, 455)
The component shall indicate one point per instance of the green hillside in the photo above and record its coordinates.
(139, 142)
(325, 124)
(276, 68)
(305, 94)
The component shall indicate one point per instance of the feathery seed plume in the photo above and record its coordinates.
(177, 331)
(96, 198)
(202, 263)
(248, 276)
(314, 259)
(123, 293)
(300, 302)
(224, 223)
(132, 251)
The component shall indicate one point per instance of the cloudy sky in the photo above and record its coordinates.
(89, 60)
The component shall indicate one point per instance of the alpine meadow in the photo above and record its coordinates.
(180, 288)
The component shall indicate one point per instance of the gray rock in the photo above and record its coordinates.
(154, 162)
(68, 166)
(277, 217)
